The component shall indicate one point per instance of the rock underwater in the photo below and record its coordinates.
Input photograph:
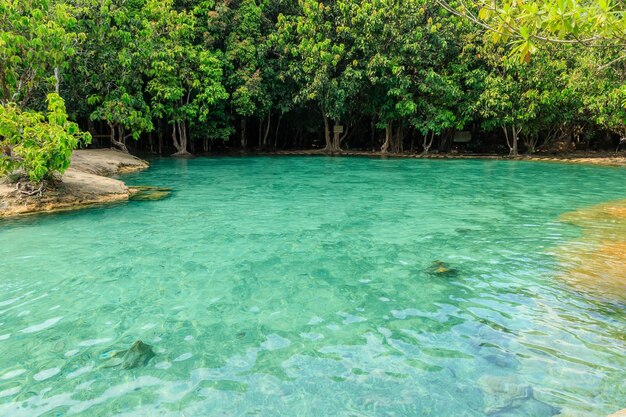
(147, 193)
(505, 396)
(595, 262)
(441, 269)
(137, 356)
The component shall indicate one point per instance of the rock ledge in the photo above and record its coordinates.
(85, 183)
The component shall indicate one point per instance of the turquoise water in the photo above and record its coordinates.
(300, 287)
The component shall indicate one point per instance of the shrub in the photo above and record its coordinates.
(40, 145)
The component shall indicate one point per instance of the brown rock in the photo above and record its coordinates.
(83, 184)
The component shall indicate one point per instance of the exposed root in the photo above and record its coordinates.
(25, 188)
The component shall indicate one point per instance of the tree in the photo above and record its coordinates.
(244, 60)
(110, 65)
(319, 42)
(604, 97)
(185, 80)
(35, 43)
(39, 145)
(525, 24)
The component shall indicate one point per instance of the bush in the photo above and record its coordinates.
(40, 146)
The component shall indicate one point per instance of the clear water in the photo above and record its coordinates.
(299, 287)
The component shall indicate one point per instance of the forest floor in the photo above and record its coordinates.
(85, 183)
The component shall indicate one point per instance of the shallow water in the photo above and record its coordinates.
(300, 287)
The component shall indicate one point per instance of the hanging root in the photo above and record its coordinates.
(25, 188)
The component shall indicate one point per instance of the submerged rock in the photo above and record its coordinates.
(503, 360)
(504, 396)
(464, 230)
(147, 193)
(137, 356)
(595, 263)
(441, 269)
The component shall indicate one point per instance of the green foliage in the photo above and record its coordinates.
(525, 24)
(41, 145)
(35, 43)
(391, 72)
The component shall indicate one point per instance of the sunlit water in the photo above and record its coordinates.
(300, 287)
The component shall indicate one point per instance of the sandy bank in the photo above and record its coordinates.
(84, 183)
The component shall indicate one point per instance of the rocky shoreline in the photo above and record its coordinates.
(85, 183)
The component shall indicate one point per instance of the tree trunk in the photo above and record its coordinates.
(243, 140)
(398, 142)
(181, 149)
(175, 137)
(428, 142)
(267, 129)
(445, 140)
(280, 117)
(329, 145)
(191, 143)
(297, 140)
(161, 141)
(530, 141)
(388, 137)
(515, 140)
(511, 140)
(336, 146)
(57, 80)
(114, 141)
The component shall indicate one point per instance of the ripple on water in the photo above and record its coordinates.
(42, 326)
(183, 357)
(273, 287)
(13, 374)
(9, 391)
(94, 342)
(46, 373)
(80, 371)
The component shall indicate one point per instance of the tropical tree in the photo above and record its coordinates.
(109, 68)
(35, 43)
(185, 80)
(526, 24)
(319, 41)
(39, 145)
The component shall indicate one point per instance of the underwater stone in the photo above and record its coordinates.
(441, 269)
(138, 355)
(147, 193)
(505, 396)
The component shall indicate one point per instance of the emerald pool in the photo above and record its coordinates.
(304, 286)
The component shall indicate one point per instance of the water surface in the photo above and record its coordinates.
(300, 287)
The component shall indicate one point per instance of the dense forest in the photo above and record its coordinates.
(193, 76)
